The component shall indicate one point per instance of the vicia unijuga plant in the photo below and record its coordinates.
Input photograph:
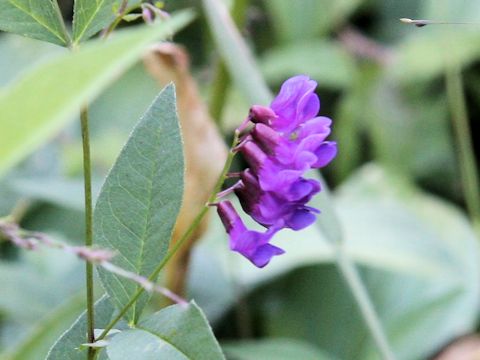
(175, 181)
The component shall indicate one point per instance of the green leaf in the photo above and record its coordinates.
(20, 53)
(68, 345)
(273, 349)
(324, 61)
(306, 19)
(47, 330)
(237, 56)
(40, 20)
(139, 202)
(176, 332)
(422, 56)
(28, 120)
(90, 16)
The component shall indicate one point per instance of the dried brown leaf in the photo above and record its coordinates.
(205, 150)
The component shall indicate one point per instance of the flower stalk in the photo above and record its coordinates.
(87, 175)
(185, 237)
(465, 152)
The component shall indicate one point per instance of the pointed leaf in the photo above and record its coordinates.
(69, 80)
(90, 16)
(68, 345)
(140, 200)
(40, 20)
(176, 332)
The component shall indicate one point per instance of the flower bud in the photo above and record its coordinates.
(261, 114)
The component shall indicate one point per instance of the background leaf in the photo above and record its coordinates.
(324, 61)
(273, 349)
(300, 20)
(176, 332)
(419, 313)
(140, 200)
(69, 80)
(40, 20)
(46, 331)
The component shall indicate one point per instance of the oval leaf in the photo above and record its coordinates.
(140, 200)
(40, 20)
(176, 332)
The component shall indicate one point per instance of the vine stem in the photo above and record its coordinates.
(465, 153)
(87, 174)
(186, 236)
(350, 274)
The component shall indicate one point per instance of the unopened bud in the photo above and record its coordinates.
(262, 114)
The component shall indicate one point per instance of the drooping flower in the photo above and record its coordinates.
(286, 141)
(253, 245)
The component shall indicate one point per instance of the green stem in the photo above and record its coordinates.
(186, 236)
(350, 274)
(87, 173)
(465, 152)
(124, 10)
(221, 81)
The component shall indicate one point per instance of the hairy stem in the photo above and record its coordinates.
(350, 274)
(87, 173)
(465, 153)
(185, 237)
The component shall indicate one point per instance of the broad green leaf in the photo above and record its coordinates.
(176, 332)
(90, 16)
(32, 314)
(20, 53)
(324, 61)
(46, 331)
(306, 19)
(273, 349)
(28, 120)
(139, 202)
(235, 53)
(422, 56)
(40, 20)
(28, 281)
(68, 345)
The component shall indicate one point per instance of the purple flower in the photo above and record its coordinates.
(286, 141)
(253, 245)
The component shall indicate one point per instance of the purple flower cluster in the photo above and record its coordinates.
(287, 140)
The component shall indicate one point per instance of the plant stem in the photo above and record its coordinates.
(87, 174)
(222, 80)
(465, 153)
(122, 12)
(350, 274)
(186, 236)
